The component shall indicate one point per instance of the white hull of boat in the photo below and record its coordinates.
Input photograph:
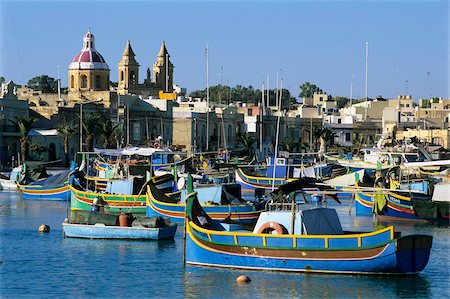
(8, 184)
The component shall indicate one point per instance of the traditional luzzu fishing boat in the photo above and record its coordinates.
(111, 203)
(55, 187)
(413, 204)
(372, 159)
(301, 241)
(279, 171)
(125, 226)
(231, 207)
(126, 195)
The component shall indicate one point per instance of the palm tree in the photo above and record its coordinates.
(24, 124)
(107, 131)
(91, 124)
(289, 145)
(66, 130)
(37, 149)
(327, 135)
(317, 134)
(247, 141)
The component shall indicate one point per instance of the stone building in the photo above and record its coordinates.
(89, 76)
(128, 69)
(11, 107)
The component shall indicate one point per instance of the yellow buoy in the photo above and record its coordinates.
(243, 279)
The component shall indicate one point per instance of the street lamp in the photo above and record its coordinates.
(81, 119)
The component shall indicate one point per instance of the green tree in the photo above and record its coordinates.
(108, 131)
(37, 149)
(247, 141)
(317, 134)
(289, 145)
(24, 124)
(328, 136)
(307, 90)
(91, 125)
(43, 83)
(66, 130)
(341, 102)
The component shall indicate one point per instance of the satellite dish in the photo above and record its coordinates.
(181, 182)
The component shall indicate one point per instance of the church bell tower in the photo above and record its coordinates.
(128, 71)
(163, 70)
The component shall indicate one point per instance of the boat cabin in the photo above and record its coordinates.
(319, 221)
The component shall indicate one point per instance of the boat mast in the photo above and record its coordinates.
(261, 120)
(207, 100)
(59, 86)
(351, 91)
(367, 79)
(278, 101)
(167, 72)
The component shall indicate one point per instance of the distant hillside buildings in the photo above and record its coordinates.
(144, 110)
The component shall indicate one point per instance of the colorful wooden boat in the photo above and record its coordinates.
(159, 204)
(102, 231)
(407, 204)
(111, 203)
(316, 246)
(252, 181)
(54, 187)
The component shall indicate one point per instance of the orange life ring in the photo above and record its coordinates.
(220, 154)
(156, 144)
(268, 227)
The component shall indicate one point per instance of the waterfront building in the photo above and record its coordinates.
(11, 107)
(190, 128)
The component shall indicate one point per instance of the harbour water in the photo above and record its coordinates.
(50, 266)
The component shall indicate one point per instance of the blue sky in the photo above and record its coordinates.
(322, 42)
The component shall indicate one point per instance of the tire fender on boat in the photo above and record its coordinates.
(270, 226)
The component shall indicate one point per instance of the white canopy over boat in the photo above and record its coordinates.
(130, 151)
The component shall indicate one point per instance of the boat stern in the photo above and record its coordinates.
(413, 253)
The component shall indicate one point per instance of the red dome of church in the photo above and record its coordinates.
(88, 58)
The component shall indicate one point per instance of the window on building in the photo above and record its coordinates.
(72, 82)
(339, 121)
(136, 131)
(348, 137)
(121, 76)
(97, 82)
(132, 77)
(84, 81)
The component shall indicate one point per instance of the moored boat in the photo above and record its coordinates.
(111, 203)
(159, 204)
(406, 204)
(313, 241)
(55, 187)
(101, 230)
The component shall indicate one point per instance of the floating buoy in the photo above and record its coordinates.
(243, 279)
(44, 228)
